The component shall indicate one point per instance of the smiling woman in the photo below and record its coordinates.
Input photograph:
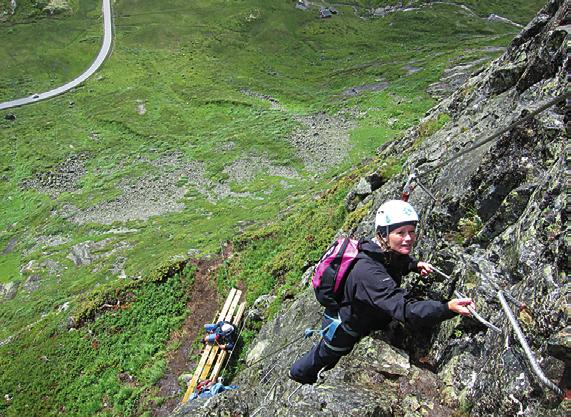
(372, 296)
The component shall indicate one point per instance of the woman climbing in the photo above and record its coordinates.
(372, 296)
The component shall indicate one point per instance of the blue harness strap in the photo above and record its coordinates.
(328, 331)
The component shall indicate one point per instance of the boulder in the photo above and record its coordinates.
(9, 290)
(32, 283)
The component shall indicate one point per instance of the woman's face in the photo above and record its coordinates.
(401, 240)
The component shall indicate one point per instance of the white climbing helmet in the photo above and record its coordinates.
(394, 214)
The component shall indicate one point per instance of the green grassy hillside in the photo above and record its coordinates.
(208, 117)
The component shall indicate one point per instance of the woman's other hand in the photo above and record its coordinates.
(424, 268)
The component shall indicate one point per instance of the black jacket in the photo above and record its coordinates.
(373, 297)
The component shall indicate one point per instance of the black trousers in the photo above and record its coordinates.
(324, 355)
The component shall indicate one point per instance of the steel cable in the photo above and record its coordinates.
(523, 342)
(498, 133)
(472, 311)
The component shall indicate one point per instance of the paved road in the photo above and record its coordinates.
(105, 48)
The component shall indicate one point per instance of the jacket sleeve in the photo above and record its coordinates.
(380, 291)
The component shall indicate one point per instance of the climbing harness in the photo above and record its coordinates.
(328, 331)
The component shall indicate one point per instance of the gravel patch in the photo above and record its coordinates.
(322, 141)
(63, 178)
(148, 196)
(353, 91)
(153, 195)
(245, 169)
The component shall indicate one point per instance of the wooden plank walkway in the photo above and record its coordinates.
(213, 357)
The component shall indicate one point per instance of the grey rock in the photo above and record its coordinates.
(307, 276)
(85, 253)
(9, 290)
(10, 246)
(63, 307)
(32, 283)
(80, 254)
(48, 266)
(364, 187)
(260, 307)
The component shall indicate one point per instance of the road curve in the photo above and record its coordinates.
(105, 49)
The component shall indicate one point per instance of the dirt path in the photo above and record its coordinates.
(203, 305)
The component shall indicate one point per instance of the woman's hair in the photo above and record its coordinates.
(383, 242)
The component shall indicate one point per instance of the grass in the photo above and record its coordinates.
(103, 367)
(187, 63)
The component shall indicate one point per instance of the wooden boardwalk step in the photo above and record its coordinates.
(213, 357)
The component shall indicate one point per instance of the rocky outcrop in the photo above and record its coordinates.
(497, 223)
(57, 7)
(8, 290)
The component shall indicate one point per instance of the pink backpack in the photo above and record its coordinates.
(332, 270)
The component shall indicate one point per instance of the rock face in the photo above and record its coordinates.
(498, 223)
